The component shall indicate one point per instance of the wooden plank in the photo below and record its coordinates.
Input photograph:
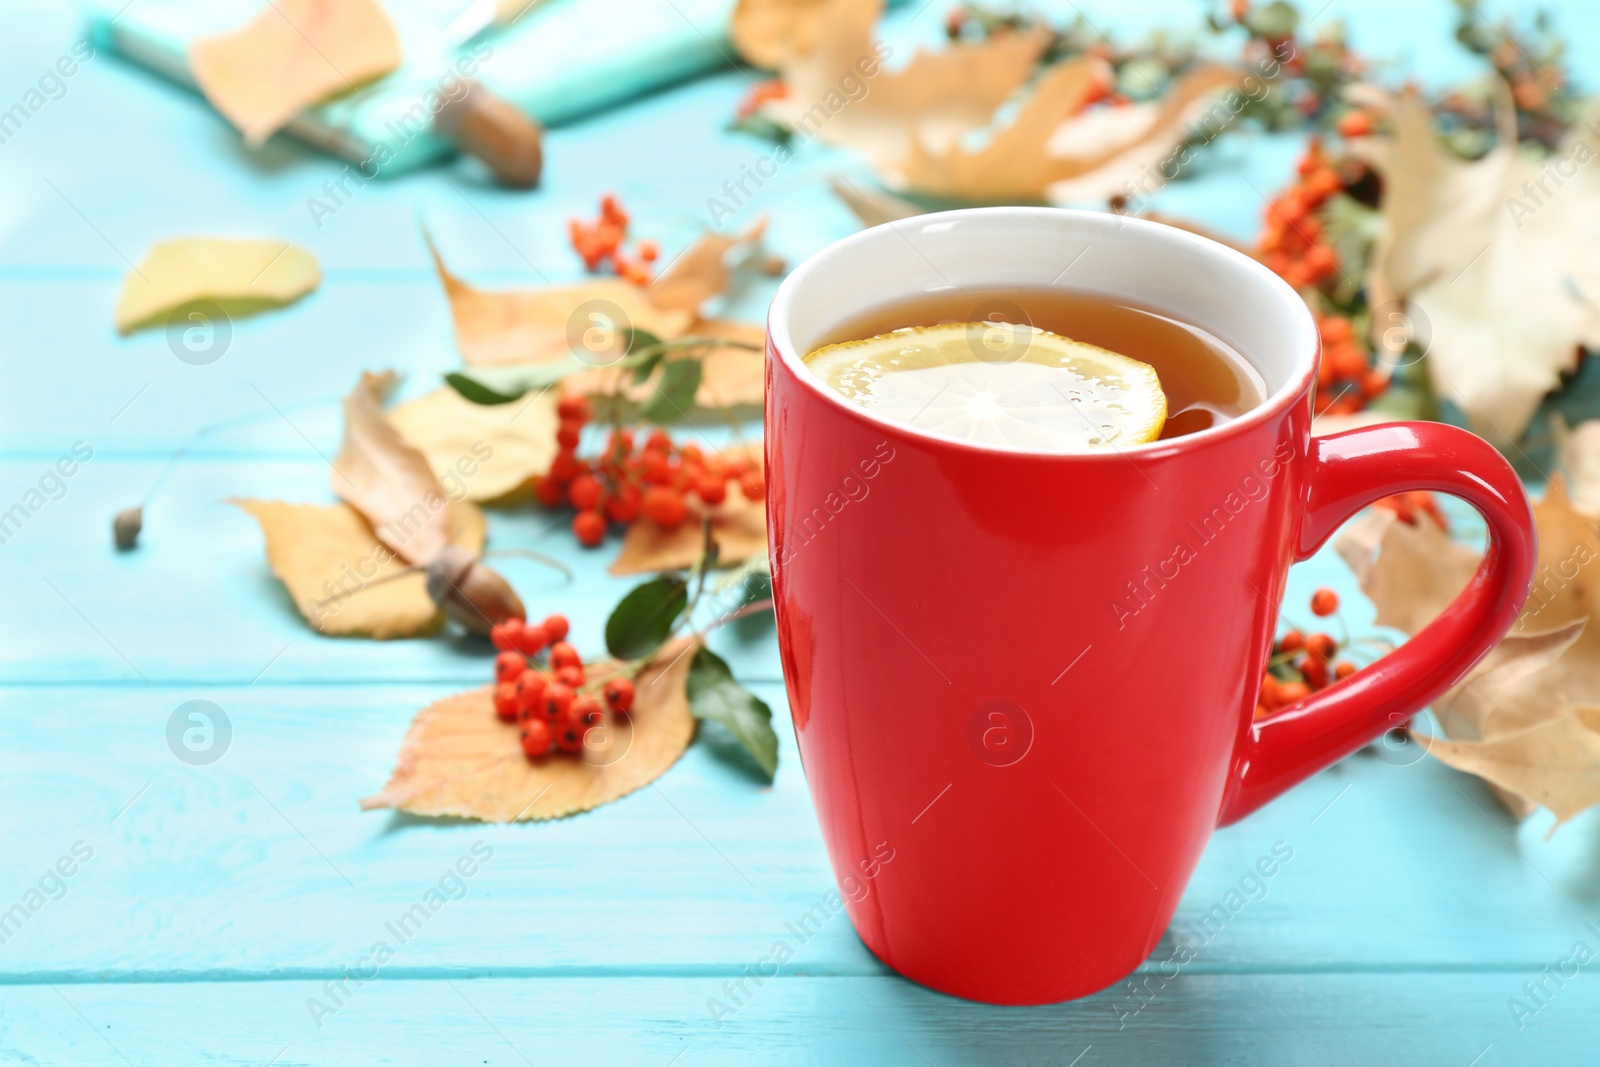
(260, 862)
(1427, 1020)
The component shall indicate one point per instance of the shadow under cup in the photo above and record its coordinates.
(1018, 679)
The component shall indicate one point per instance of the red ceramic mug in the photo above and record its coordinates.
(1033, 676)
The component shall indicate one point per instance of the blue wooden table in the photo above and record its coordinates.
(225, 913)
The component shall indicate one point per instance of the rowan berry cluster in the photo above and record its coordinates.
(1292, 243)
(540, 684)
(600, 242)
(1346, 379)
(1301, 663)
(635, 475)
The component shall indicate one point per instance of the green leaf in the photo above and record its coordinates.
(639, 340)
(646, 366)
(643, 619)
(502, 385)
(716, 697)
(674, 395)
(475, 391)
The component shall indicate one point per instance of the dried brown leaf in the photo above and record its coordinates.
(546, 324)
(481, 451)
(241, 276)
(341, 579)
(1503, 279)
(293, 54)
(1578, 454)
(700, 272)
(1554, 763)
(739, 527)
(766, 32)
(838, 91)
(1418, 569)
(386, 478)
(874, 206)
(458, 759)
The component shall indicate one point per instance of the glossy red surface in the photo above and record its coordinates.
(1031, 679)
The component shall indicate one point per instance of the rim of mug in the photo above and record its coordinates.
(1306, 347)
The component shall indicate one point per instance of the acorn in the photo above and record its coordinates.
(126, 526)
(469, 591)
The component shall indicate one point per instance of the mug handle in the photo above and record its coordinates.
(1349, 471)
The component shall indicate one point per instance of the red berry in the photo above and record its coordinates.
(1324, 602)
(565, 466)
(656, 467)
(503, 635)
(624, 506)
(564, 655)
(530, 693)
(1293, 641)
(505, 702)
(508, 666)
(587, 710)
(712, 489)
(619, 694)
(1290, 692)
(532, 639)
(1355, 124)
(659, 440)
(569, 735)
(665, 507)
(556, 626)
(584, 492)
(1322, 647)
(573, 408)
(572, 676)
(549, 492)
(753, 486)
(558, 697)
(535, 738)
(1315, 671)
(589, 528)
(569, 435)
(619, 443)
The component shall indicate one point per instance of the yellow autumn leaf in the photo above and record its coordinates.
(545, 324)
(1521, 710)
(1502, 278)
(480, 451)
(766, 32)
(700, 271)
(342, 580)
(840, 93)
(1039, 154)
(240, 276)
(458, 759)
(293, 54)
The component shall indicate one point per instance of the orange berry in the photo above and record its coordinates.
(589, 528)
(712, 489)
(548, 492)
(1355, 124)
(1335, 329)
(664, 507)
(584, 492)
(1324, 602)
(1293, 641)
(1343, 669)
(624, 504)
(1292, 692)
(1373, 382)
(1315, 672)
(753, 486)
(1321, 647)
(647, 250)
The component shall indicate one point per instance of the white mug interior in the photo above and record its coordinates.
(1147, 264)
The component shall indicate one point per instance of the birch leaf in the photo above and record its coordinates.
(241, 276)
(458, 759)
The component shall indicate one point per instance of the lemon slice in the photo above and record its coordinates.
(997, 383)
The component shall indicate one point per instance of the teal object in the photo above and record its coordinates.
(562, 60)
(222, 899)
